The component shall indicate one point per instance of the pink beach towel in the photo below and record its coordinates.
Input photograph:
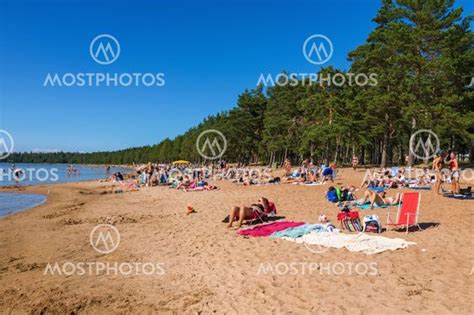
(269, 229)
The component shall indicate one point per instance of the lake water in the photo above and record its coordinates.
(34, 174)
(14, 202)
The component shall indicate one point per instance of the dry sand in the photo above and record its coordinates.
(208, 268)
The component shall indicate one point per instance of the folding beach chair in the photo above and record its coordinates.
(262, 217)
(407, 214)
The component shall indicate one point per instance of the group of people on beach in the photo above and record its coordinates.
(308, 173)
(396, 177)
(180, 177)
(376, 185)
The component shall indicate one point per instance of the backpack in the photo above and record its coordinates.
(332, 196)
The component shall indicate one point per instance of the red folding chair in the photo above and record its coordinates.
(407, 214)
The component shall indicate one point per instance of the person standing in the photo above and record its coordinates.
(355, 162)
(287, 167)
(437, 167)
(453, 167)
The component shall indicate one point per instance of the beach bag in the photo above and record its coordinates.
(350, 221)
(371, 223)
(332, 196)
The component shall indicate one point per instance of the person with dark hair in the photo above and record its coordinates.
(453, 167)
(251, 212)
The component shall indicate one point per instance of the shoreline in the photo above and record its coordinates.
(204, 262)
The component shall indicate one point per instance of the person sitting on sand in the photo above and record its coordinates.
(249, 213)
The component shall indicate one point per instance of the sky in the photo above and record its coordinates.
(208, 51)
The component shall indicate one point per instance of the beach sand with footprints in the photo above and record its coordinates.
(209, 268)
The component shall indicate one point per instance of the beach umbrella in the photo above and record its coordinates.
(181, 162)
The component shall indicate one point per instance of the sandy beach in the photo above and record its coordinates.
(208, 268)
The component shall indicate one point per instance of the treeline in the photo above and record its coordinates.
(423, 57)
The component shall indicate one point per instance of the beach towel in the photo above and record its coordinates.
(420, 188)
(269, 229)
(309, 184)
(368, 244)
(461, 197)
(366, 206)
(304, 229)
(377, 189)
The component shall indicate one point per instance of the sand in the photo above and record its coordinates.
(208, 268)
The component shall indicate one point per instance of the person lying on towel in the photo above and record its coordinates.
(379, 199)
(252, 212)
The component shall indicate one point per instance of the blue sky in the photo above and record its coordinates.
(209, 51)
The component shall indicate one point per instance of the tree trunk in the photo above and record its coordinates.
(410, 154)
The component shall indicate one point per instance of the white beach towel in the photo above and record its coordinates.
(368, 244)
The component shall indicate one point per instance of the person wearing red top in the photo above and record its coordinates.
(453, 167)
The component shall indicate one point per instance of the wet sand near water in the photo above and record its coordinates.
(208, 268)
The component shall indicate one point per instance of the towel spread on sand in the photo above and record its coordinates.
(368, 244)
(366, 206)
(269, 229)
(457, 196)
(420, 188)
(302, 230)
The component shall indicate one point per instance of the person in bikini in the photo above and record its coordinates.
(378, 199)
(453, 167)
(287, 167)
(437, 167)
(248, 213)
(355, 162)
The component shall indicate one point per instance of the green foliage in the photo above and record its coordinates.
(422, 53)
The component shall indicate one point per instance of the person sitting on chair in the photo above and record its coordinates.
(252, 212)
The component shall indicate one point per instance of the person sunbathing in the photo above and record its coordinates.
(248, 213)
(375, 198)
(184, 184)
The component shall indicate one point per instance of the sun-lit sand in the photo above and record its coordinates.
(209, 268)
